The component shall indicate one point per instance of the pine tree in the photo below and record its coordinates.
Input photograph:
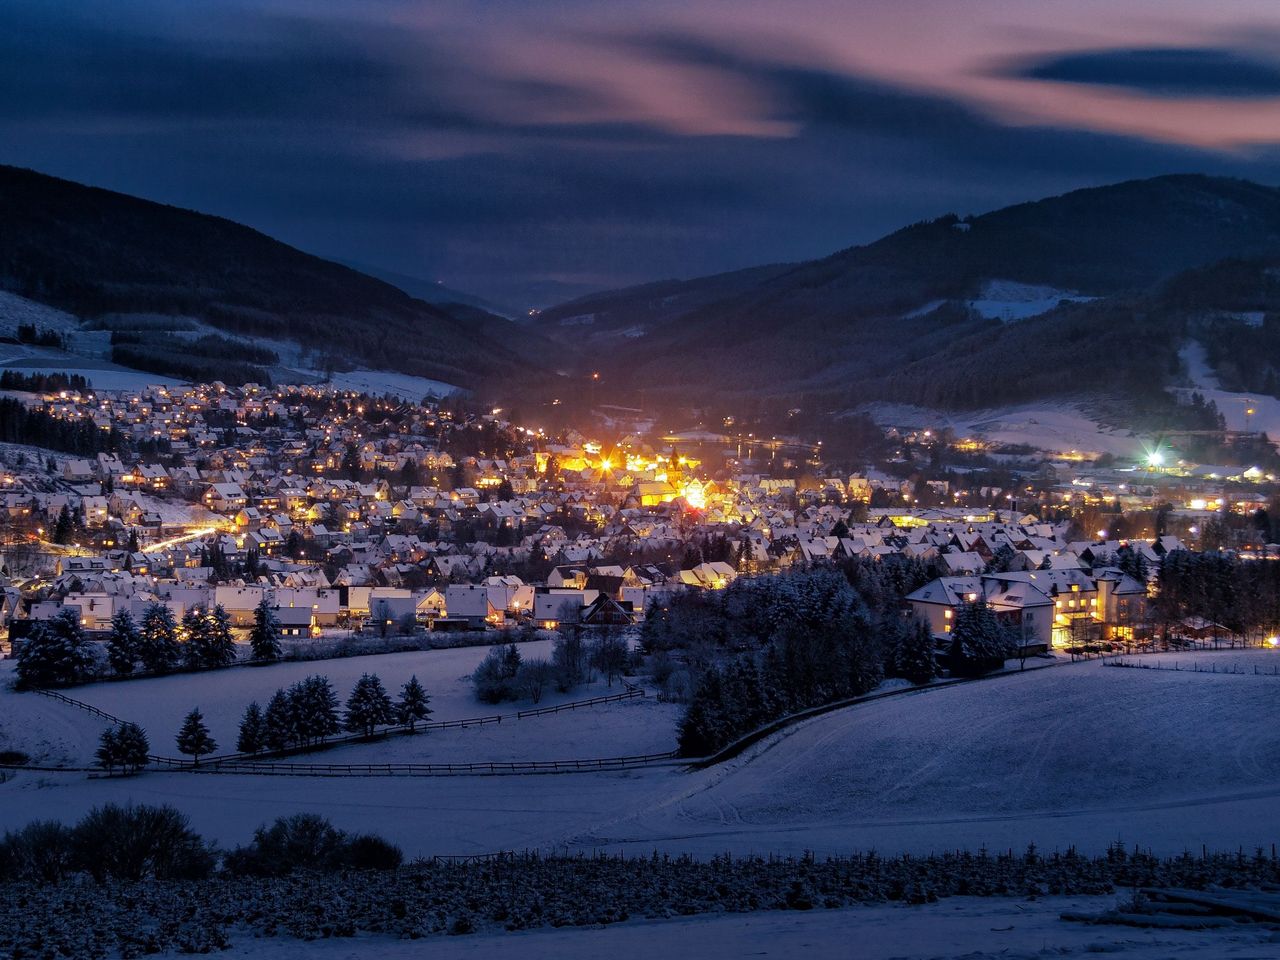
(915, 660)
(278, 722)
(123, 645)
(63, 527)
(368, 706)
(193, 738)
(220, 645)
(979, 641)
(159, 648)
(194, 637)
(264, 638)
(133, 747)
(55, 653)
(253, 730)
(313, 704)
(412, 706)
(108, 752)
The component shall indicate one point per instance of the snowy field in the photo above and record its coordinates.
(960, 927)
(1075, 755)
(1055, 428)
(1266, 416)
(159, 704)
(1009, 301)
(101, 374)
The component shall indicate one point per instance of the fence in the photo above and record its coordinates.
(491, 768)
(1195, 667)
(387, 732)
(101, 714)
(630, 694)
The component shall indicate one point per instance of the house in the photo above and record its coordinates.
(296, 621)
(605, 611)
(225, 497)
(472, 602)
(552, 607)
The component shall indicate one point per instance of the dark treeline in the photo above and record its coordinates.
(187, 365)
(1241, 596)
(42, 382)
(18, 424)
(769, 646)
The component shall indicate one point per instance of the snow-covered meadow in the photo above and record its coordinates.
(970, 927)
(1076, 755)
(159, 704)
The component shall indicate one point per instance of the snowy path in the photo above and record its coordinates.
(969, 927)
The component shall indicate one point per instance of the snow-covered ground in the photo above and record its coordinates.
(1052, 427)
(16, 310)
(1010, 301)
(1266, 410)
(159, 704)
(1081, 754)
(1074, 755)
(969, 927)
(402, 385)
(101, 374)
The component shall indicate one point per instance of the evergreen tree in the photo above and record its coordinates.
(108, 752)
(124, 643)
(218, 644)
(915, 660)
(703, 727)
(194, 637)
(278, 722)
(253, 730)
(314, 707)
(413, 704)
(979, 642)
(55, 653)
(193, 738)
(63, 527)
(133, 747)
(134, 546)
(159, 648)
(264, 638)
(368, 706)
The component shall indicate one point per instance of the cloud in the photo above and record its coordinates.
(1160, 71)
(404, 147)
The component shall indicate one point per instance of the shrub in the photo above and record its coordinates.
(368, 851)
(138, 843)
(309, 842)
(39, 852)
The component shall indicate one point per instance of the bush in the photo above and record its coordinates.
(40, 852)
(368, 851)
(495, 678)
(139, 843)
(309, 842)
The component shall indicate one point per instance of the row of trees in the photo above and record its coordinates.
(134, 843)
(763, 648)
(57, 651)
(308, 713)
(1242, 596)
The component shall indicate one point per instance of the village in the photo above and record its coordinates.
(351, 514)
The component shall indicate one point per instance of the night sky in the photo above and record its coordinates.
(528, 151)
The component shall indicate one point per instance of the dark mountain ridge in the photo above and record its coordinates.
(94, 252)
(884, 312)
